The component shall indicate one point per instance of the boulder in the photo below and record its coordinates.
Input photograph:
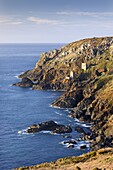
(83, 147)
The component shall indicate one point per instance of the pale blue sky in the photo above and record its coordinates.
(54, 21)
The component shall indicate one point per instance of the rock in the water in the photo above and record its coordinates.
(51, 126)
(83, 147)
(72, 141)
(63, 129)
(26, 82)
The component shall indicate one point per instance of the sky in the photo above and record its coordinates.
(54, 21)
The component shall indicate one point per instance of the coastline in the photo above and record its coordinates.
(84, 92)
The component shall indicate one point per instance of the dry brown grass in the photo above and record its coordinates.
(106, 93)
(102, 159)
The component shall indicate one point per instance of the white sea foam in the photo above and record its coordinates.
(86, 125)
(81, 143)
(58, 113)
(24, 131)
(83, 124)
(66, 110)
(65, 145)
(17, 76)
(60, 90)
(70, 120)
(77, 120)
(10, 85)
(45, 131)
(21, 73)
(76, 146)
(56, 107)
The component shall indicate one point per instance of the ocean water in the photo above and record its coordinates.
(21, 107)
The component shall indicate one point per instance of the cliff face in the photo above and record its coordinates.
(84, 69)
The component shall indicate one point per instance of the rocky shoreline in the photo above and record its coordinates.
(66, 131)
(83, 69)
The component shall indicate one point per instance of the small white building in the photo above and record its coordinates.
(71, 74)
(84, 66)
(67, 78)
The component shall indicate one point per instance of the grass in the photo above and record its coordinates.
(105, 156)
(106, 93)
(102, 81)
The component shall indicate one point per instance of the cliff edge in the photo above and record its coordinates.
(95, 160)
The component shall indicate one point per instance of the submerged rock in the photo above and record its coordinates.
(51, 126)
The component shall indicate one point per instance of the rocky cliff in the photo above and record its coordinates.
(84, 70)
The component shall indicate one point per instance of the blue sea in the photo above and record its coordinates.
(22, 107)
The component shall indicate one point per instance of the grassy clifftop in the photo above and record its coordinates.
(96, 160)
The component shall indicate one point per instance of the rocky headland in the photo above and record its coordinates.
(84, 71)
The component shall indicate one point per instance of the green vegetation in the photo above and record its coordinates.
(102, 81)
(106, 93)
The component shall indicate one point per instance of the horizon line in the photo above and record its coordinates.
(33, 42)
